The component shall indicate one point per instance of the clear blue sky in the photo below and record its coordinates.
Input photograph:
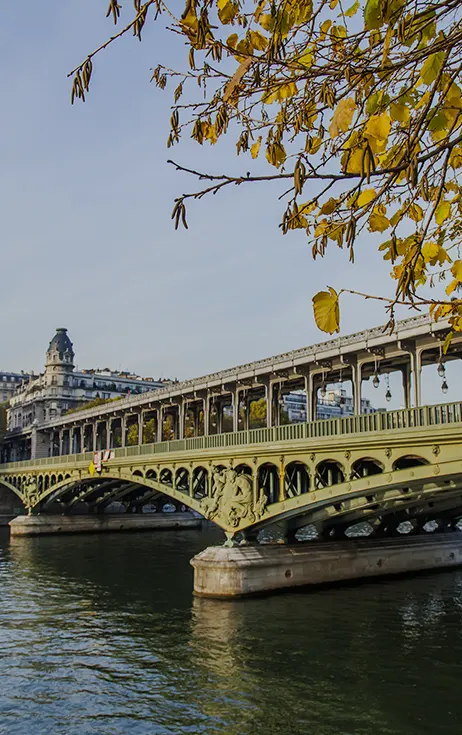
(87, 239)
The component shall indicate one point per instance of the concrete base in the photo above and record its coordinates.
(246, 570)
(46, 524)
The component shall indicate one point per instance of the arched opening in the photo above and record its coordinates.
(407, 461)
(243, 469)
(53, 480)
(60, 478)
(138, 473)
(46, 483)
(297, 479)
(200, 482)
(182, 480)
(268, 481)
(151, 475)
(166, 477)
(364, 467)
(329, 472)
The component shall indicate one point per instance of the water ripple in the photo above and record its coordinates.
(101, 636)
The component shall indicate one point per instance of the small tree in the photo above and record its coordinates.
(132, 435)
(149, 432)
(258, 413)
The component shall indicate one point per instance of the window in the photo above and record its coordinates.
(54, 380)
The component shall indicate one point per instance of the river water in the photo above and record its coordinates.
(100, 635)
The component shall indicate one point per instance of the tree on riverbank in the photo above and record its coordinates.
(357, 109)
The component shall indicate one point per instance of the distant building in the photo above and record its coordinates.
(9, 383)
(61, 388)
(334, 404)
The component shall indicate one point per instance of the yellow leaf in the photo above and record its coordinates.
(255, 149)
(313, 144)
(211, 134)
(415, 212)
(399, 113)
(431, 68)
(232, 40)
(352, 10)
(276, 154)
(324, 27)
(378, 222)
(286, 91)
(366, 196)
(266, 21)
(378, 127)
(342, 117)
(227, 11)
(456, 270)
(452, 286)
(430, 252)
(326, 311)
(442, 212)
(190, 19)
(258, 40)
(329, 206)
(353, 163)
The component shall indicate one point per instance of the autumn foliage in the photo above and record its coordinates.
(356, 109)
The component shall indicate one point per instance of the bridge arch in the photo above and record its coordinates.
(409, 460)
(296, 479)
(243, 469)
(182, 480)
(366, 466)
(9, 485)
(268, 481)
(166, 477)
(200, 482)
(329, 472)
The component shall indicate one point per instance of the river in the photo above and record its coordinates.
(100, 635)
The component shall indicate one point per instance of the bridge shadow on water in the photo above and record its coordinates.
(100, 635)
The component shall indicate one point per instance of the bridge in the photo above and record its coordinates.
(385, 467)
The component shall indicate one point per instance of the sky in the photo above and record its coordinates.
(86, 236)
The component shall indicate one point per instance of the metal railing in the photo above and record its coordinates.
(384, 421)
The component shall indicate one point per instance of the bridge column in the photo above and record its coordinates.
(218, 415)
(109, 434)
(356, 380)
(160, 422)
(181, 415)
(94, 427)
(269, 403)
(140, 427)
(406, 376)
(235, 399)
(206, 404)
(308, 379)
(416, 367)
(415, 358)
(244, 401)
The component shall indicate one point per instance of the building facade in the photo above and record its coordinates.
(60, 388)
(9, 384)
(334, 404)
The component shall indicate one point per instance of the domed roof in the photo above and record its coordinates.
(61, 342)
